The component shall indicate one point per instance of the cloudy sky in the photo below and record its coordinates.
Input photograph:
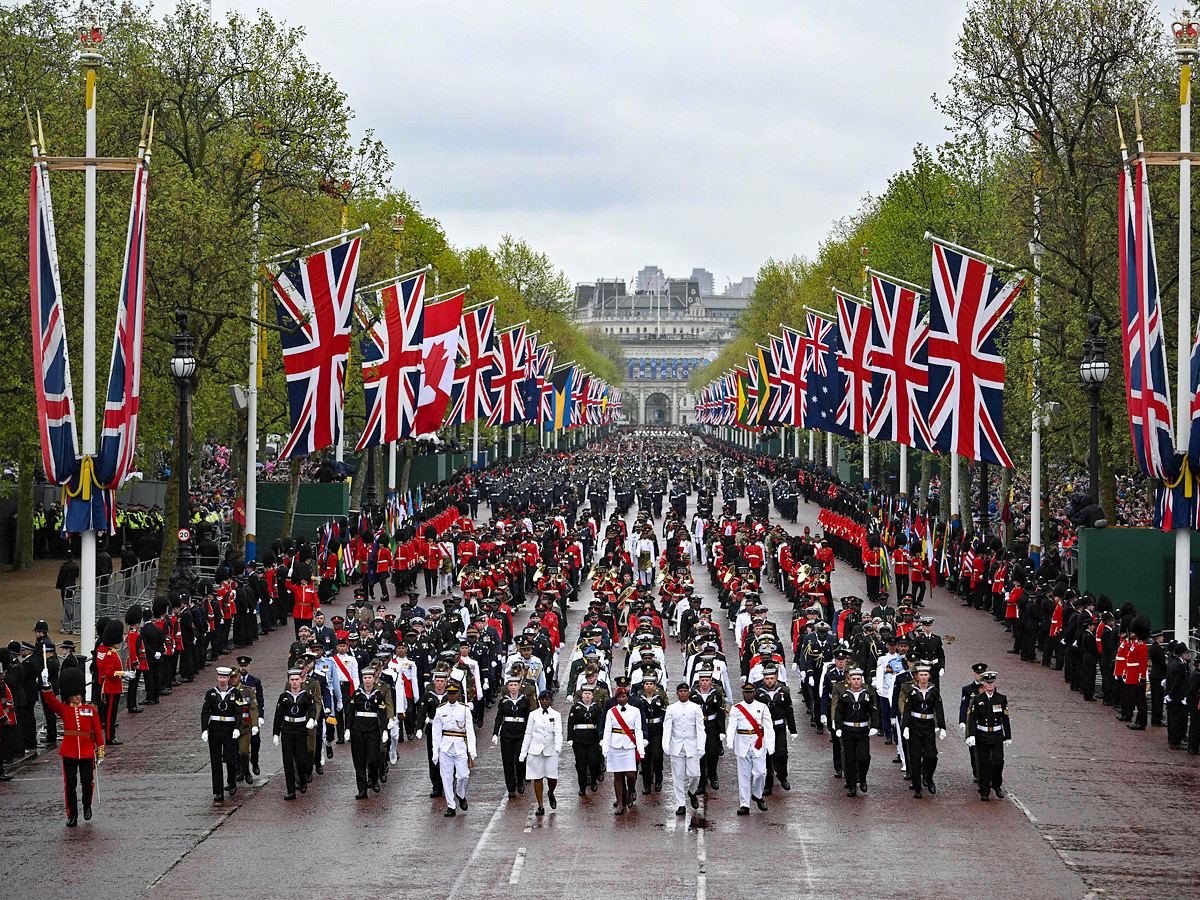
(614, 135)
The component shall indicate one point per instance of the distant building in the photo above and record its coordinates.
(667, 331)
(743, 288)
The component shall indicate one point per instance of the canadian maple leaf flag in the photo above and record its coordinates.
(438, 352)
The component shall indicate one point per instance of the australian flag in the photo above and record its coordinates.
(823, 384)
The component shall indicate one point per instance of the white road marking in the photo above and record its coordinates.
(462, 876)
(518, 865)
(702, 854)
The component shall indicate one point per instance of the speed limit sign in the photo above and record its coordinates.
(184, 535)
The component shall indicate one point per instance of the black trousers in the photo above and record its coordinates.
(51, 721)
(922, 756)
(918, 592)
(430, 582)
(294, 743)
(364, 750)
(131, 690)
(1157, 694)
(1194, 732)
(78, 771)
(589, 763)
(514, 769)
(777, 762)
(435, 772)
(652, 762)
(222, 749)
(28, 724)
(712, 755)
(1177, 722)
(990, 759)
(1135, 699)
(856, 757)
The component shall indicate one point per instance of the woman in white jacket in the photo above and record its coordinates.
(540, 749)
(623, 745)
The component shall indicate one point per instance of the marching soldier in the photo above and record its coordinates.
(253, 683)
(711, 699)
(988, 733)
(855, 722)
(366, 730)
(922, 716)
(512, 715)
(783, 719)
(969, 691)
(653, 705)
(584, 723)
(83, 740)
(296, 714)
(249, 713)
(751, 737)
(454, 748)
(219, 728)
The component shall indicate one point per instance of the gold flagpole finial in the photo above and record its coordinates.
(1137, 121)
(145, 119)
(41, 134)
(1121, 133)
(33, 143)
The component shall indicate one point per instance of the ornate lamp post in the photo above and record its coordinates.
(183, 367)
(1093, 370)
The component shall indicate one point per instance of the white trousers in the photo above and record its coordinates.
(699, 555)
(752, 778)
(455, 775)
(685, 774)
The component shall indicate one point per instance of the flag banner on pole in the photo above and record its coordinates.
(899, 364)
(768, 385)
(560, 411)
(51, 363)
(854, 348)
(392, 350)
(578, 387)
(546, 386)
(531, 390)
(508, 371)
(470, 395)
(969, 307)
(792, 377)
(314, 303)
(439, 350)
(1146, 390)
(778, 387)
(593, 401)
(822, 377)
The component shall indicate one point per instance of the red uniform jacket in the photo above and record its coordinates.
(108, 664)
(81, 727)
(306, 601)
(136, 651)
(1137, 663)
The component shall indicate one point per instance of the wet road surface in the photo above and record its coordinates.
(1092, 809)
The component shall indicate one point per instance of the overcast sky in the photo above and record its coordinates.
(614, 135)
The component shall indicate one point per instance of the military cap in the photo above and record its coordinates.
(979, 668)
(224, 670)
(989, 677)
(244, 660)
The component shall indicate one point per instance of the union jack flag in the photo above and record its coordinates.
(470, 395)
(900, 364)
(1146, 389)
(594, 401)
(508, 371)
(51, 363)
(966, 370)
(578, 392)
(314, 302)
(792, 377)
(118, 439)
(854, 347)
(391, 363)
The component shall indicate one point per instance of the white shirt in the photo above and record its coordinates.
(615, 737)
(455, 718)
(739, 733)
(543, 733)
(683, 730)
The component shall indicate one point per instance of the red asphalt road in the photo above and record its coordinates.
(1092, 808)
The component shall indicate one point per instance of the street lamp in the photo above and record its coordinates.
(183, 367)
(1093, 370)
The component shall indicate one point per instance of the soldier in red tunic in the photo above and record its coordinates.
(82, 743)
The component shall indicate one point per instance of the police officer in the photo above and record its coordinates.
(988, 733)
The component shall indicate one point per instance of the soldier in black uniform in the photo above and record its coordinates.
(427, 708)
(923, 715)
(365, 730)
(969, 691)
(779, 699)
(254, 683)
(512, 715)
(988, 733)
(712, 700)
(295, 715)
(855, 721)
(584, 723)
(219, 721)
(1175, 696)
(652, 702)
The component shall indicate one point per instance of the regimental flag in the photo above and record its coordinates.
(966, 371)
(470, 393)
(508, 371)
(314, 301)
(545, 385)
(822, 378)
(51, 363)
(1146, 390)
(854, 348)
(392, 351)
(899, 364)
(439, 350)
(561, 383)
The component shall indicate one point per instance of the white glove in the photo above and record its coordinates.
(824, 721)
(260, 721)
(434, 760)
(838, 733)
(391, 723)
(941, 734)
(962, 727)
(874, 732)
(486, 685)
(941, 673)
(237, 733)
(568, 744)
(971, 741)
(521, 758)
(311, 724)
(158, 656)
(420, 733)
(254, 731)
(1167, 699)
(496, 739)
(204, 736)
(347, 734)
(1008, 743)
(792, 737)
(810, 681)
(904, 734)
(275, 740)
(45, 678)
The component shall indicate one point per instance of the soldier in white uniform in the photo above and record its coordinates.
(750, 734)
(623, 745)
(454, 747)
(683, 742)
(540, 750)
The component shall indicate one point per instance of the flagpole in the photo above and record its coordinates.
(830, 462)
(251, 512)
(904, 470)
(866, 410)
(812, 439)
(475, 443)
(398, 231)
(1185, 50)
(1035, 433)
(90, 58)
(300, 251)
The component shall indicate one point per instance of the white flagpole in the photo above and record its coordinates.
(475, 442)
(1185, 49)
(90, 58)
(830, 462)
(812, 437)
(904, 470)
